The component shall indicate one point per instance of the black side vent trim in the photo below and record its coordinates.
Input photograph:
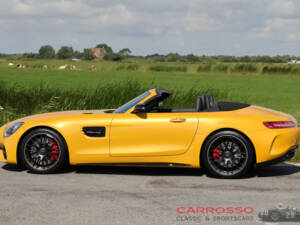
(94, 131)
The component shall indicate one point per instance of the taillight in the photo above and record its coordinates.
(279, 124)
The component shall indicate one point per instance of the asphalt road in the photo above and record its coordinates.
(137, 196)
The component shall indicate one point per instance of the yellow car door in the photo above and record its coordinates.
(152, 134)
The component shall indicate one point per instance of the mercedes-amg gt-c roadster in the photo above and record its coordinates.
(226, 139)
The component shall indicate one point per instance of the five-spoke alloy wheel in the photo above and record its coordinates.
(227, 154)
(43, 151)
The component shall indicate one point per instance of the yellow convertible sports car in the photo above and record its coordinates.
(225, 138)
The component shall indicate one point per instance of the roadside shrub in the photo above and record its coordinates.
(204, 67)
(163, 68)
(30, 55)
(187, 99)
(270, 69)
(159, 59)
(36, 66)
(192, 58)
(244, 68)
(113, 57)
(121, 67)
(220, 68)
(19, 101)
(133, 67)
(295, 70)
(174, 57)
(130, 67)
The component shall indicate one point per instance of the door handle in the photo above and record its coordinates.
(177, 120)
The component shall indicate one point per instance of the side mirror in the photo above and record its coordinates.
(140, 108)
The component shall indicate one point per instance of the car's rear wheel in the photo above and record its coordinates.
(275, 216)
(43, 151)
(227, 154)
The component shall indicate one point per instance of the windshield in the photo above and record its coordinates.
(131, 103)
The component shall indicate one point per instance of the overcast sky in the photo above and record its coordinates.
(210, 27)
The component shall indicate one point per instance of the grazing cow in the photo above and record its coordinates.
(73, 67)
(63, 67)
(45, 67)
(93, 67)
(10, 64)
(21, 66)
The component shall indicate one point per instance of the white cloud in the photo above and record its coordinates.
(201, 22)
(184, 26)
(282, 7)
(275, 27)
(293, 37)
(278, 23)
(153, 31)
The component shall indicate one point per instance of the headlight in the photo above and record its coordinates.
(12, 129)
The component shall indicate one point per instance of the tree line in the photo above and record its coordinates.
(67, 52)
(175, 57)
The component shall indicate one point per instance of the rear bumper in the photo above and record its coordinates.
(287, 156)
(271, 144)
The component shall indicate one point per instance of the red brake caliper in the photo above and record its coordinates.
(216, 154)
(54, 151)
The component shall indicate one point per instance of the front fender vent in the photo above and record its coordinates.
(94, 131)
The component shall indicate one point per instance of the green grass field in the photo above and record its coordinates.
(279, 91)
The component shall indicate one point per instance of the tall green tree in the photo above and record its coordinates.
(77, 54)
(65, 52)
(47, 52)
(107, 48)
(174, 57)
(192, 58)
(88, 54)
(125, 51)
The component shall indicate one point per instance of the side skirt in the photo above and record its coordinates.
(135, 164)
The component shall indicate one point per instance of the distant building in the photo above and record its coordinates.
(99, 52)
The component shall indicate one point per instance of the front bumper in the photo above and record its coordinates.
(3, 156)
(8, 147)
(287, 156)
(3, 149)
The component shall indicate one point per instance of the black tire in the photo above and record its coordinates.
(227, 154)
(275, 216)
(43, 151)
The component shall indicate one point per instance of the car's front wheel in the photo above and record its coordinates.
(43, 151)
(227, 154)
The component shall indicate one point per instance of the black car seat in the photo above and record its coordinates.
(206, 103)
